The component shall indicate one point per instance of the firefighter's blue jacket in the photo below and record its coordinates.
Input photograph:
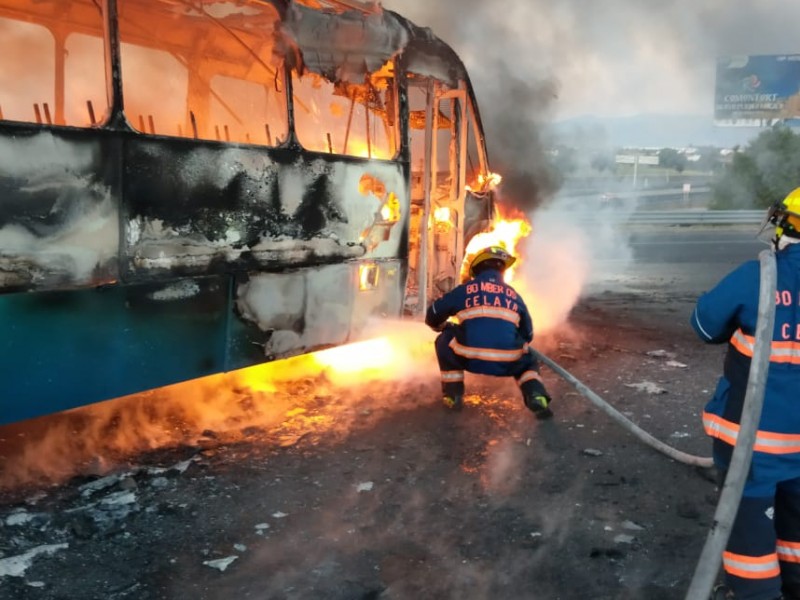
(728, 313)
(495, 325)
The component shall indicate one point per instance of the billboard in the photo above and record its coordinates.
(757, 90)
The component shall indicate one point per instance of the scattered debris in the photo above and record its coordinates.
(35, 498)
(15, 566)
(661, 354)
(220, 563)
(159, 482)
(87, 489)
(19, 517)
(179, 467)
(648, 387)
(676, 364)
(155, 507)
(118, 499)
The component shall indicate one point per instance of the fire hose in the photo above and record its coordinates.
(710, 559)
(689, 459)
(728, 503)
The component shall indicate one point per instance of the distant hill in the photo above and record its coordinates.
(650, 130)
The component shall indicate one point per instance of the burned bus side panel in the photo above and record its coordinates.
(207, 273)
(71, 334)
(289, 224)
(59, 210)
(259, 202)
(192, 207)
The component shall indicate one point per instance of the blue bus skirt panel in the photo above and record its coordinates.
(65, 349)
(61, 350)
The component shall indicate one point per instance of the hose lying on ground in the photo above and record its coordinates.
(710, 558)
(640, 433)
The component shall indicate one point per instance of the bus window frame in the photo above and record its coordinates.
(59, 38)
(399, 115)
(120, 116)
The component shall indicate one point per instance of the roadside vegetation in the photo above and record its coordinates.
(753, 176)
(761, 173)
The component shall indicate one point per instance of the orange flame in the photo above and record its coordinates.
(485, 182)
(507, 232)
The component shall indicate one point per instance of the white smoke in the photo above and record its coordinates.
(619, 58)
(573, 251)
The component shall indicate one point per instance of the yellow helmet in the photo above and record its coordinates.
(785, 215)
(497, 253)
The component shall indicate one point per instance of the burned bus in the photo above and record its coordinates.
(189, 187)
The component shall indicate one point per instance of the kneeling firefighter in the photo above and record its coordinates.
(492, 336)
(762, 557)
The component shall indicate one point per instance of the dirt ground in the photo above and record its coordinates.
(376, 491)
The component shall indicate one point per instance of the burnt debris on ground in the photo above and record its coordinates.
(379, 492)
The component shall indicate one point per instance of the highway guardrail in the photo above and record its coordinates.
(693, 217)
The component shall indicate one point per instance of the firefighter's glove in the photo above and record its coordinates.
(539, 404)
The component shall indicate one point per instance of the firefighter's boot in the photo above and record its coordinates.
(539, 405)
(453, 390)
(453, 401)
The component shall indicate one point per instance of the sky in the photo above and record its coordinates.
(607, 58)
(540, 63)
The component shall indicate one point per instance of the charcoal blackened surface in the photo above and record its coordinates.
(345, 46)
(200, 189)
(318, 207)
(208, 191)
(59, 224)
(46, 189)
(195, 207)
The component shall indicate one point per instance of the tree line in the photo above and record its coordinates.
(750, 177)
(761, 173)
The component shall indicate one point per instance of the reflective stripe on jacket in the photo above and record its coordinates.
(495, 325)
(728, 313)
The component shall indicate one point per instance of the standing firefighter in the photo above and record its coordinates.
(762, 558)
(493, 334)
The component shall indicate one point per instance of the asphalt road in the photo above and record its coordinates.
(723, 246)
(680, 260)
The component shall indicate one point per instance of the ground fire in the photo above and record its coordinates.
(275, 396)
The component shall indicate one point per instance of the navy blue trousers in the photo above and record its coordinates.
(524, 370)
(762, 558)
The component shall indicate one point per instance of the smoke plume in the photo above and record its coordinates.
(535, 62)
